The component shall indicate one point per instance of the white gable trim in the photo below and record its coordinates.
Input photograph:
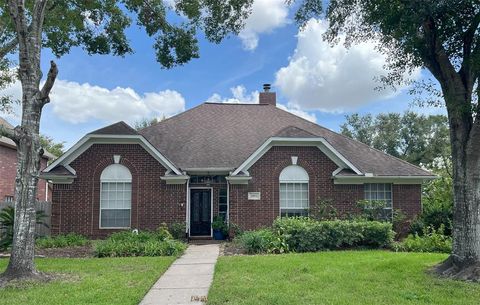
(321, 143)
(81, 146)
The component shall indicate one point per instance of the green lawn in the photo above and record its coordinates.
(89, 281)
(350, 277)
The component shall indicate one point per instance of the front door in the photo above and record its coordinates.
(200, 212)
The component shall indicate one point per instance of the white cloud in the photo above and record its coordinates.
(333, 79)
(266, 16)
(240, 95)
(78, 103)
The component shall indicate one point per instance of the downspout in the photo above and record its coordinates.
(187, 209)
(228, 203)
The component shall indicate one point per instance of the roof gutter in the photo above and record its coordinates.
(382, 179)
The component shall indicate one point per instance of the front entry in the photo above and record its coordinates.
(200, 212)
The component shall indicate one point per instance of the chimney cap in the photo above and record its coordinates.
(266, 87)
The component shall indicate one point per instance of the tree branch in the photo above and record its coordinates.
(47, 87)
(8, 47)
(469, 55)
(8, 132)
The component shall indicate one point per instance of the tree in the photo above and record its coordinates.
(418, 139)
(444, 38)
(99, 27)
(49, 145)
(145, 122)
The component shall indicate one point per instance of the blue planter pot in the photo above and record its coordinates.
(218, 235)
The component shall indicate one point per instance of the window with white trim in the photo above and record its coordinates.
(115, 197)
(380, 192)
(294, 191)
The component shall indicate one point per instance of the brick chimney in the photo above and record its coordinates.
(267, 97)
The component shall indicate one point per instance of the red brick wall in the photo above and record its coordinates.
(76, 207)
(251, 214)
(8, 171)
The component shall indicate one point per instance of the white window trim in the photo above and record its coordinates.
(107, 180)
(293, 208)
(100, 208)
(296, 181)
(391, 190)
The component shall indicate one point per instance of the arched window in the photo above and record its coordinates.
(294, 191)
(115, 197)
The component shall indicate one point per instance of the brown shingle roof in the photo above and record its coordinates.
(120, 128)
(214, 135)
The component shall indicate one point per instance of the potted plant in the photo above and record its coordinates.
(220, 228)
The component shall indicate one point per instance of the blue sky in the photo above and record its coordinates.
(311, 78)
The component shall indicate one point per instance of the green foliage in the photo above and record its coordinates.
(220, 225)
(7, 221)
(177, 229)
(262, 241)
(372, 210)
(323, 209)
(146, 122)
(234, 230)
(303, 234)
(431, 240)
(143, 243)
(415, 138)
(437, 206)
(62, 241)
(48, 144)
(100, 26)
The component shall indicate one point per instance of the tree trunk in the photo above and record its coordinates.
(29, 153)
(464, 262)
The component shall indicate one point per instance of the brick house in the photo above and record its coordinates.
(248, 163)
(8, 169)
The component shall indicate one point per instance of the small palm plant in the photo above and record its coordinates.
(7, 220)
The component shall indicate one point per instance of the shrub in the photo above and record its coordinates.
(62, 241)
(177, 230)
(304, 234)
(7, 219)
(220, 225)
(437, 206)
(256, 241)
(431, 240)
(143, 243)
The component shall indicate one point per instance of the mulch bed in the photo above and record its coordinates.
(231, 249)
(70, 252)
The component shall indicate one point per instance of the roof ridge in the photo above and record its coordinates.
(172, 117)
(351, 139)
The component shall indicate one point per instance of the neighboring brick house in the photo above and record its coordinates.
(249, 163)
(8, 170)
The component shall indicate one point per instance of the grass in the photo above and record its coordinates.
(120, 281)
(349, 277)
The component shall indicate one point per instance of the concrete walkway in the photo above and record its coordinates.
(187, 280)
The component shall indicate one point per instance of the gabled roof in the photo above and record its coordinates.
(120, 128)
(217, 135)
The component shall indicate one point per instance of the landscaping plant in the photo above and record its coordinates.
(7, 220)
(62, 241)
(431, 240)
(141, 243)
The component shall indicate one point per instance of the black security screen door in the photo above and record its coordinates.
(200, 212)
